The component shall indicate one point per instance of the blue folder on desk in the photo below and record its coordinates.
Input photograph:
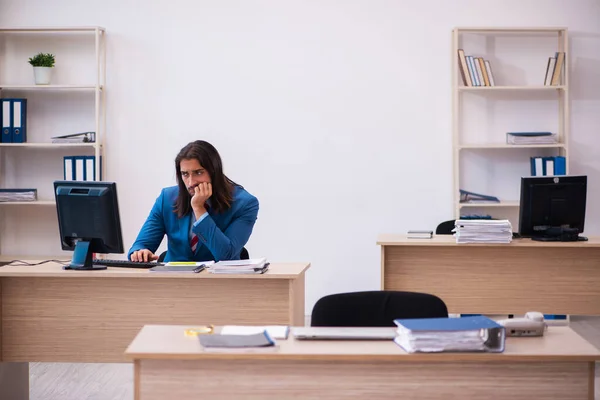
(478, 333)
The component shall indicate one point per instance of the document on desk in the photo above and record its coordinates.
(182, 266)
(237, 341)
(275, 331)
(251, 266)
(432, 335)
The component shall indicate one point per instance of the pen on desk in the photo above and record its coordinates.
(199, 268)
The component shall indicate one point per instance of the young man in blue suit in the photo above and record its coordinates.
(206, 217)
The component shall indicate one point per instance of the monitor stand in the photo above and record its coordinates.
(82, 258)
(559, 234)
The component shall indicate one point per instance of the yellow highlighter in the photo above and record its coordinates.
(183, 263)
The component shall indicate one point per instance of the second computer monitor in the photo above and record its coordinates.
(551, 206)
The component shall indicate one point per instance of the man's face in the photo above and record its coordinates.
(192, 174)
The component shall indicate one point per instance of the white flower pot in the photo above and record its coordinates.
(42, 75)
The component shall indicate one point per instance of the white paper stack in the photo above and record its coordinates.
(483, 231)
(251, 266)
(18, 195)
(524, 138)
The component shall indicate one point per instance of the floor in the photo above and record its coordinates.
(55, 381)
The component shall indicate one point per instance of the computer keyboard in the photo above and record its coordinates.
(125, 263)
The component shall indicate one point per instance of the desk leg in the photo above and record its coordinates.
(14, 381)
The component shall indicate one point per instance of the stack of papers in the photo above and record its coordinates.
(18, 194)
(431, 335)
(531, 138)
(483, 231)
(251, 266)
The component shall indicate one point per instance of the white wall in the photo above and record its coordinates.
(335, 114)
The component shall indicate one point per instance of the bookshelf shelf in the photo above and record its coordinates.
(476, 52)
(515, 30)
(493, 205)
(51, 87)
(509, 88)
(50, 145)
(28, 203)
(510, 146)
(50, 29)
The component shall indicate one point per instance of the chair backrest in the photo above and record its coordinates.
(375, 308)
(445, 228)
(244, 255)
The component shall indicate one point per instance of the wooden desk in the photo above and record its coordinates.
(170, 365)
(525, 275)
(48, 314)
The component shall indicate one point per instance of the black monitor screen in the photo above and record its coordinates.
(88, 214)
(552, 202)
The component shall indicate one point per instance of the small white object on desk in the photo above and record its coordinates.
(275, 331)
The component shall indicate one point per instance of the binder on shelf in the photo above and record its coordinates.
(6, 113)
(79, 168)
(560, 165)
(69, 168)
(19, 120)
(548, 166)
(90, 168)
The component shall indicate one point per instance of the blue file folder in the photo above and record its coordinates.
(6, 120)
(19, 120)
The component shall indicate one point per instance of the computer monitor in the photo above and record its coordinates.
(88, 220)
(553, 207)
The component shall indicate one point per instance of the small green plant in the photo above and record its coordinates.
(42, 60)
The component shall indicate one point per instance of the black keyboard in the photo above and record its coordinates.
(125, 263)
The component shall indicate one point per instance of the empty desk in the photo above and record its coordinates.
(525, 275)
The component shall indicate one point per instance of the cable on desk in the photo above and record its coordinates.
(21, 262)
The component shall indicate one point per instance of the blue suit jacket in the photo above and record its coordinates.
(221, 236)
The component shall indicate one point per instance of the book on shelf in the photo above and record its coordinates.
(18, 195)
(525, 138)
(475, 71)
(555, 69)
(470, 197)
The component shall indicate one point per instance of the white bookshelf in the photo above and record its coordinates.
(76, 93)
(479, 149)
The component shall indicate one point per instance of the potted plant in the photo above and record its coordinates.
(42, 67)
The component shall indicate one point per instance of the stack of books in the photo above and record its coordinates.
(251, 266)
(475, 71)
(483, 231)
(434, 335)
(554, 69)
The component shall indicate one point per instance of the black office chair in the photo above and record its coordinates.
(375, 308)
(445, 228)
(244, 255)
